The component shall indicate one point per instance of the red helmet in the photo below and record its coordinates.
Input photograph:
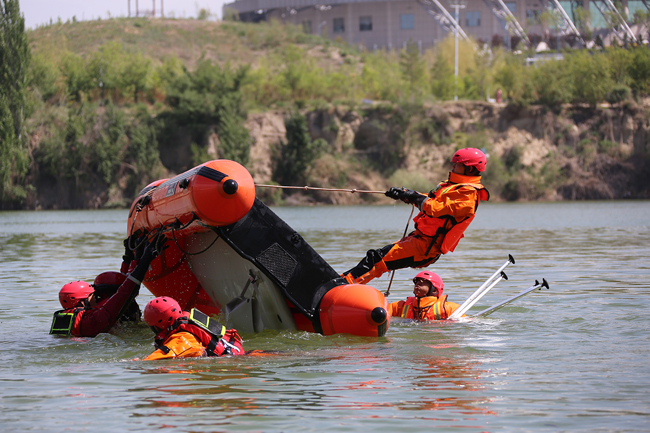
(433, 278)
(162, 311)
(471, 157)
(72, 293)
(110, 278)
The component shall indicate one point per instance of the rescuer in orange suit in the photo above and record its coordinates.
(429, 303)
(92, 309)
(187, 334)
(444, 215)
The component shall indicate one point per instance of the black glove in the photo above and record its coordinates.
(128, 252)
(412, 197)
(150, 252)
(152, 249)
(395, 193)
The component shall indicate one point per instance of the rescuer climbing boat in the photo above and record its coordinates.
(229, 253)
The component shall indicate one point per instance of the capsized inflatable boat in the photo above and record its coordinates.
(228, 252)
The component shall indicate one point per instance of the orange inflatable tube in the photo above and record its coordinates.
(354, 309)
(217, 193)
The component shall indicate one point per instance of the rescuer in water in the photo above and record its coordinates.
(183, 334)
(445, 213)
(428, 303)
(89, 310)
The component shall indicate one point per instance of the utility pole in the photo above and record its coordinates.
(457, 5)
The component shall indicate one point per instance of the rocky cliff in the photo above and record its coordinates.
(578, 153)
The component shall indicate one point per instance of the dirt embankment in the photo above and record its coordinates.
(534, 154)
(580, 153)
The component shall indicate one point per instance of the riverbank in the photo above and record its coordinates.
(579, 153)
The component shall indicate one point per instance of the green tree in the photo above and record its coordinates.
(233, 135)
(142, 155)
(135, 74)
(203, 102)
(590, 75)
(76, 77)
(639, 70)
(108, 148)
(298, 153)
(44, 76)
(106, 68)
(552, 84)
(14, 63)
(379, 78)
(442, 79)
(413, 68)
(619, 60)
(513, 77)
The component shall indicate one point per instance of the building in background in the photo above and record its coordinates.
(391, 24)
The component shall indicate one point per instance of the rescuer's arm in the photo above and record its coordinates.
(102, 319)
(395, 308)
(408, 196)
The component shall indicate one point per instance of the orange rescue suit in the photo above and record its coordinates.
(427, 308)
(444, 216)
(180, 345)
(186, 340)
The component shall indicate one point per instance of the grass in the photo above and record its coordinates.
(187, 39)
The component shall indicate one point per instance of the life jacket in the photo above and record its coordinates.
(66, 322)
(425, 308)
(213, 336)
(447, 226)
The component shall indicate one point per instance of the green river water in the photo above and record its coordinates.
(572, 358)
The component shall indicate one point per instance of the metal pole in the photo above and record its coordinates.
(456, 56)
(456, 6)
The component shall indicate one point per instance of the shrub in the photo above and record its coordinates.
(590, 76)
(297, 153)
(619, 93)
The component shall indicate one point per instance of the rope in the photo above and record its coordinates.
(313, 188)
(408, 221)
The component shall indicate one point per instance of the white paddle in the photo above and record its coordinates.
(485, 287)
(496, 307)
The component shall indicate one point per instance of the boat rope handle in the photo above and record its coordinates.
(313, 188)
(194, 254)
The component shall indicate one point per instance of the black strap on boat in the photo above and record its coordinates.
(211, 173)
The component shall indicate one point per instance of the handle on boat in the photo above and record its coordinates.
(485, 287)
(500, 305)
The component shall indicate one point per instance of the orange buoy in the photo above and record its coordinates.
(217, 193)
(354, 309)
